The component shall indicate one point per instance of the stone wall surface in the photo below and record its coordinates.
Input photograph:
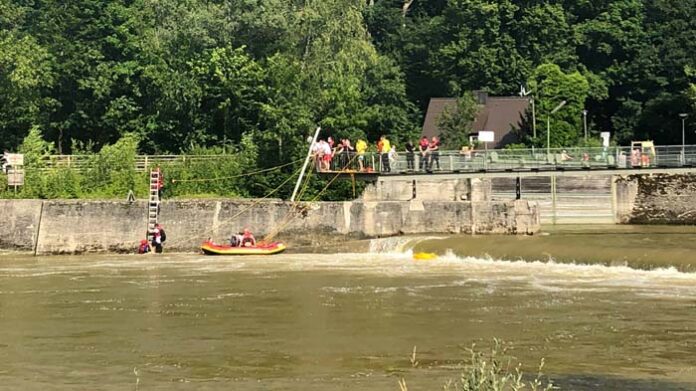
(69, 227)
(20, 224)
(56, 227)
(625, 193)
(657, 199)
(426, 188)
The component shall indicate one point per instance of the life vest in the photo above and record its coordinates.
(144, 247)
(248, 238)
(156, 237)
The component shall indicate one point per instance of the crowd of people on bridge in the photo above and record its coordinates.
(331, 156)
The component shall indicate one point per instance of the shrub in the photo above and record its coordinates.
(111, 171)
(494, 370)
(35, 149)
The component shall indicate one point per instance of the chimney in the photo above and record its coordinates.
(481, 97)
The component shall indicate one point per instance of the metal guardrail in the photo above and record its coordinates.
(514, 160)
(452, 161)
(142, 162)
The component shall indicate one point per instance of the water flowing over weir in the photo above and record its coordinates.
(398, 244)
(337, 321)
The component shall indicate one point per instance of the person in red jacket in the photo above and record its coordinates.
(144, 247)
(160, 182)
(248, 239)
(423, 149)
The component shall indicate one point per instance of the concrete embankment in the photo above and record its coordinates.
(635, 199)
(656, 199)
(62, 226)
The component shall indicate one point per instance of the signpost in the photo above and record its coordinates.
(14, 166)
(14, 159)
(486, 137)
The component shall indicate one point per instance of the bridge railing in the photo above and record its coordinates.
(513, 160)
(142, 162)
(453, 161)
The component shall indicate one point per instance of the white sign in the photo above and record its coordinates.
(605, 138)
(14, 159)
(15, 177)
(486, 136)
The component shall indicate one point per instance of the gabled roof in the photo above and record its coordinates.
(499, 114)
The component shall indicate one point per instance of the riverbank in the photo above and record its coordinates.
(73, 227)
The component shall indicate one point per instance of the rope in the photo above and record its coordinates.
(239, 175)
(289, 216)
(259, 200)
(293, 208)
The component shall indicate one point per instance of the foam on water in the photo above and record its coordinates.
(393, 259)
(397, 244)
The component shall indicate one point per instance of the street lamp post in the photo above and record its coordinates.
(683, 119)
(584, 122)
(548, 126)
(533, 118)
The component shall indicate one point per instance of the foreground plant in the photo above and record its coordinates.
(494, 370)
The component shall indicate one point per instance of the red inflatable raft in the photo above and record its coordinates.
(210, 248)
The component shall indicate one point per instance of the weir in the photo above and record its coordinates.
(574, 186)
(62, 226)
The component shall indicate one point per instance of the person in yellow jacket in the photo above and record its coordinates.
(384, 148)
(360, 148)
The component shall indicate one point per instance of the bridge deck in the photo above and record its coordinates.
(444, 175)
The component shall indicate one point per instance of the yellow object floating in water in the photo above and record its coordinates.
(424, 256)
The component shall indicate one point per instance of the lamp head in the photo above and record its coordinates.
(683, 115)
(563, 103)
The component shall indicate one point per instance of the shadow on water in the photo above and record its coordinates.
(640, 247)
(593, 383)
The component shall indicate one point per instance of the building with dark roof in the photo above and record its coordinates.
(502, 115)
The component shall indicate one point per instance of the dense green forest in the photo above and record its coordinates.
(186, 74)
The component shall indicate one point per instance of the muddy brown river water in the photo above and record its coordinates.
(350, 321)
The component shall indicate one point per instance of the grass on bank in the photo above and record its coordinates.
(491, 370)
(111, 173)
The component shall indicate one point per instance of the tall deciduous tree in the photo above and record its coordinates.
(26, 76)
(552, 86)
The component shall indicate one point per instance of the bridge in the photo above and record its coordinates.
(570, 186)
(515, 163)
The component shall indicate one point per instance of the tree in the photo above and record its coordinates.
(26, 74)
(551, 86)
(456, 121)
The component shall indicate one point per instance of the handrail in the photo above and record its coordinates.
(142, 162)
(453, 161)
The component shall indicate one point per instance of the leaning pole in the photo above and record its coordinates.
(304, 166)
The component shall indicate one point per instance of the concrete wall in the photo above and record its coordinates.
(656, 199)
(577, 199)
(427, 189)
(625, 191)
(90, 226)
(55, 227)
(20, 224)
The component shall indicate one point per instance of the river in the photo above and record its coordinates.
(340, 321)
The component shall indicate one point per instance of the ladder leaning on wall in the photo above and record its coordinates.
(154, 201)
